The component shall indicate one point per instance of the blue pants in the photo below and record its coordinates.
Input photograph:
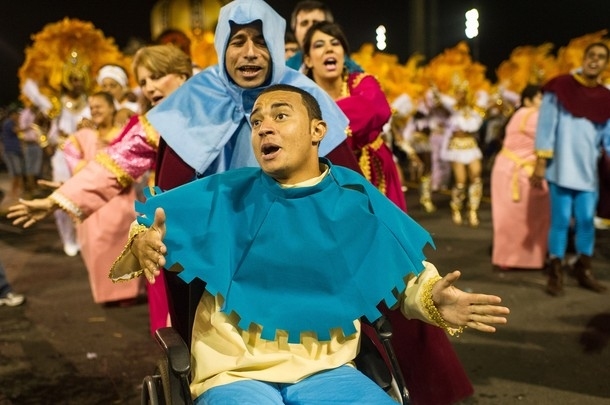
(565, 204)
(343, 385)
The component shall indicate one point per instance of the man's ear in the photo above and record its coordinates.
(318, 130)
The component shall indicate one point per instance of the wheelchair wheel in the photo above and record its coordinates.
(166, 381)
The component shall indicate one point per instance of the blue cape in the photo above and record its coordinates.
(298, 259)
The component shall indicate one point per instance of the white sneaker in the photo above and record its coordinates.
(12, 300)
(71, 249)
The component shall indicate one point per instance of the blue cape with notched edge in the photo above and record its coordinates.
(308, 259)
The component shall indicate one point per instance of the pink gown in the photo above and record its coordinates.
(520, 213)
(112, 170)
(103, 235)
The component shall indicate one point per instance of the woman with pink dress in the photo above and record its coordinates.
(103, 234)
(160, 70)
(520, 212)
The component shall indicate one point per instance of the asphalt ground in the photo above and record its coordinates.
(61, 348)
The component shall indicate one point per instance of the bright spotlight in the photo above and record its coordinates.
(472, 23)
(381, 39)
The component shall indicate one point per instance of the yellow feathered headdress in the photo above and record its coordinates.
(62, 48)
(454, 70)
(395, 78)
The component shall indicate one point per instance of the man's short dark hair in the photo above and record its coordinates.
(596, 44)
(309, 101)
(310, 5)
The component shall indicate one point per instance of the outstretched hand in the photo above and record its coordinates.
(459, 308)
(49, 184)
(28, 212)
(149, 249)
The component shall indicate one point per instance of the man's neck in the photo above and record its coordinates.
(586, 80)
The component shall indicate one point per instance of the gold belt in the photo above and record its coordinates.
(526, 165)
(367, 165)
(462, 141)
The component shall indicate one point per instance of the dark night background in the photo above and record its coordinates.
(505, 24)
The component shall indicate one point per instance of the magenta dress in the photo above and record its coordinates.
(368, 110)
(432, 370)
(520, 213)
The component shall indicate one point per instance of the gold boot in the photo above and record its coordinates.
(475, 191)
(458, 195)
(425, 194)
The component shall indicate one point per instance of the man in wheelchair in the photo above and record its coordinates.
(293, 253)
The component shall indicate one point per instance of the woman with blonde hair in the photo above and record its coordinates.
(160, 70)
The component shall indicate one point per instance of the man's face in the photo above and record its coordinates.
(247, 58)
(304, 20)
(594, 62)
(78, 84)
(290, 48)
(284, 139)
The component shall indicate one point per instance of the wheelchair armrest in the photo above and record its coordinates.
(178, 354)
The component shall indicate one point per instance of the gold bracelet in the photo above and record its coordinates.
(432, 310)
(133, 232)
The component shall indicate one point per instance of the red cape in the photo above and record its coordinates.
(592, 103)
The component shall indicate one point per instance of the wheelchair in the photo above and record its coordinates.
(169, 383)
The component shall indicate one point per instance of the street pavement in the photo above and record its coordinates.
(61, 348)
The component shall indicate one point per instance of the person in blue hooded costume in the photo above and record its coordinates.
(294, 253)
(204, 125)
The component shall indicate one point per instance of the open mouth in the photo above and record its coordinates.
(269, 149)
(250, 70)
(330, 63)
(156, 100)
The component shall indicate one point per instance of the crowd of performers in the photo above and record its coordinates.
(441, 123)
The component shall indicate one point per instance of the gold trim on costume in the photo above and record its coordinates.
(358, 79)
(545, 154)
(462, 141)
(133, 232)
(432, 310)
(526, 165)
(152, 136)
(67, 205)
(109, 164)
(525, 119)
(367, 165)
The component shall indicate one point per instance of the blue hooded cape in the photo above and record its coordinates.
(297, 259)
(207, 120)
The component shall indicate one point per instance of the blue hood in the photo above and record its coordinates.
(206, 121)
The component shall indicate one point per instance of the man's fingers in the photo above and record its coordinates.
(484, 299)
(451, 278)
(159, 222)
(481, 327)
